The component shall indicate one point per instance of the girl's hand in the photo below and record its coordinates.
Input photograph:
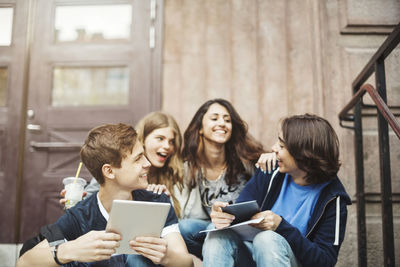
(267, 161)
(158, 189)
(63, 200)
(219, 218)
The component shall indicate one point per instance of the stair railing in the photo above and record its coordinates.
(385, 118)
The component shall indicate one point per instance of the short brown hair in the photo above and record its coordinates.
(314, 145)
(107, 144)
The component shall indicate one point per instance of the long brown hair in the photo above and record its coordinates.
(314, 145)
(172, 172)
(241, 150)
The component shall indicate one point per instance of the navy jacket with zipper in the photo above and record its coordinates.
(326, 226)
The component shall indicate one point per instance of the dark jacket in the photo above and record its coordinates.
(326, 227)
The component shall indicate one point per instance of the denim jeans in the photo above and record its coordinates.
(117, 261)
(225, 248)
(135, 260)
(190, 229)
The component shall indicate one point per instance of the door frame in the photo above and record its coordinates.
(15, 130)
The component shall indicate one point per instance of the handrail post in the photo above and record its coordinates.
(385, 173)
(360, 195)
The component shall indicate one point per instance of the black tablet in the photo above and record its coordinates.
(243, 211)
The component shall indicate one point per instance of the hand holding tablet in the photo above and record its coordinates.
(242, 223)
(243, 211)
(136, 218)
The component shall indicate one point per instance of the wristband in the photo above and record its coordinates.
(54, 251)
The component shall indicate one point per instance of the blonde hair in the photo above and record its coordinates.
(172, 172)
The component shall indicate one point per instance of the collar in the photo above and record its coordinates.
(102, 209)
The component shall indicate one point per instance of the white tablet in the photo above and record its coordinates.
(136, 218)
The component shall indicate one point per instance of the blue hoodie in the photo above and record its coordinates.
(325, 229)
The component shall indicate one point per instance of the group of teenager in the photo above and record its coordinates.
(302, 203)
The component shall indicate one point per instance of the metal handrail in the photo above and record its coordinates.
(384, 117)
(384, 50)
(344, 115)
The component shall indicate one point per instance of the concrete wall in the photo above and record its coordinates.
(276, 58)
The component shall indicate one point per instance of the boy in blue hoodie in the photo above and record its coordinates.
(303, 204)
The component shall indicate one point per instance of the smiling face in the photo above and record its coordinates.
(159, 146)
(286, 162)
(132, 174)
(216, 124)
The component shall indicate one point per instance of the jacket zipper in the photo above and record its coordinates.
(322, 213)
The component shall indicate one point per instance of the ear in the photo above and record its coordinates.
(201, 131)
(108, 171)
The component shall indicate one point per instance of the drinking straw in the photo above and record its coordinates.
(78, 171)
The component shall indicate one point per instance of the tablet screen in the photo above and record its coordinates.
(243, 211)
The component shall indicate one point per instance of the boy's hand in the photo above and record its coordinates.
(219, 218)
(158, 189)
(267, 162)
(63, 200)
(270, 220)
(93, 246)
(153, 248)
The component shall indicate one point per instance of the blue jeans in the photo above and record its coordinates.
(225, 248)
(135, 260)
(190, 229)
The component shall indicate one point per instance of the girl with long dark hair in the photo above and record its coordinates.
(220, 157)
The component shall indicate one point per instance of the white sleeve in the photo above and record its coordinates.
(173, 228)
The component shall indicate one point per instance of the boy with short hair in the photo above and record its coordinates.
(115, 157)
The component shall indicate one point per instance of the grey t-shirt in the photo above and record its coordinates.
(218, 190)
(92, 187)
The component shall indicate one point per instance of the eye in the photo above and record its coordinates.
(137, 159)
(159, 138)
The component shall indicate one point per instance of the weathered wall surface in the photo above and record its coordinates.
(276, 58)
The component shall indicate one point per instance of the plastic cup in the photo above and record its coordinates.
(74, 190)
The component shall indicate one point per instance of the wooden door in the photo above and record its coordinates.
(92, 62)
(13, 57)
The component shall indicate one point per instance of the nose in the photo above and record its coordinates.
(221, 121)
(146, 163)
(166, 144)
(275, 147)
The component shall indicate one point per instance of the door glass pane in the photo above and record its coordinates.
(93, 23)
(6, 19)
(90, 86)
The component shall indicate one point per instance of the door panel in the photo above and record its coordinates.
(13, 66)
(75, 84)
